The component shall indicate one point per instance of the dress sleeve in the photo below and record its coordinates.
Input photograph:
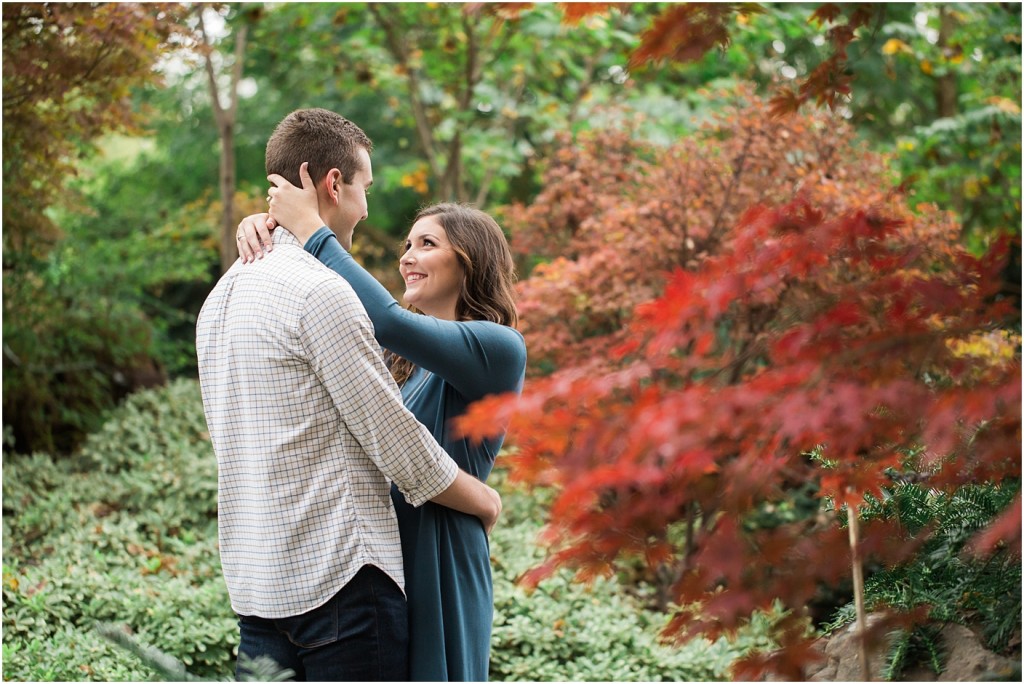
(477, 358)
(338, 342)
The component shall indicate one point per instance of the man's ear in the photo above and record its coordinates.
(332, 184)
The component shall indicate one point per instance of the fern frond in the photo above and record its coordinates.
(896, 659)
(928, 637)
(955, 586)
(168, 668)
(262, 669)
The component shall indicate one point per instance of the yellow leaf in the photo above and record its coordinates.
(894, 45)
(926, 66)
(972, 188)
(1004, 104)
(995, 348)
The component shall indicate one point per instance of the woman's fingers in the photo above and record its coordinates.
(278, 180)
(307, 181)
(282, 186)
(263, 229)
(248, 237)
(245, 250)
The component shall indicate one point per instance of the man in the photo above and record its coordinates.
(309, 429)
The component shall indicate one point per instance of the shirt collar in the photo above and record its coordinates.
(282, 236)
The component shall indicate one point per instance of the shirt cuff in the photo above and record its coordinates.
(446, 473)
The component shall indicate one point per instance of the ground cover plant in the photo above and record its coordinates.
(125, 533)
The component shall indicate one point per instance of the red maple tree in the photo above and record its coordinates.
(745, 313)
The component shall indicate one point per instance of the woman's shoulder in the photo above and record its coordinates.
(500, 348)
(496, 332)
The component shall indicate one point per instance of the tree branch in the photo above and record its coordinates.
(236, 70)
(218, 110)
(399, 54)
(584, 88)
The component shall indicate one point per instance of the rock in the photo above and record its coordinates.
(842, 656)
(966, 659)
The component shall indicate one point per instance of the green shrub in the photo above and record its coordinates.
(564, 630)
(125, 533)
(942, 577)
(68, 355)
(79, 335)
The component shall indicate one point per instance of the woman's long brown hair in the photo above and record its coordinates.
(488, 286)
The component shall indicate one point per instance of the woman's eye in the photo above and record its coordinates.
(429, 242)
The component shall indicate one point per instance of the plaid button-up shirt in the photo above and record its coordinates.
(309, 431)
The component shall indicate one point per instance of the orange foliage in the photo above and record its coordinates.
(685, 31)
(616, 216)
(576, 11)
(704, 348)
(69, 73)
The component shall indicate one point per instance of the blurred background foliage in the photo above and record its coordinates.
(112, 233)
(111, 216)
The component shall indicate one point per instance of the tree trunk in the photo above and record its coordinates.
(228, 225)
(945, 86)
(945, 97)
(225, 118)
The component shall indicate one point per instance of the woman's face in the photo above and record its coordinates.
(431, 270)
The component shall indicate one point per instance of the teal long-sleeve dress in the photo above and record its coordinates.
(446, 553)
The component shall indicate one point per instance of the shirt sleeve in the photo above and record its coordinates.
(338, 338)
(477, 358)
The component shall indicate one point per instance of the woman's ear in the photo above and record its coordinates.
(332, 183)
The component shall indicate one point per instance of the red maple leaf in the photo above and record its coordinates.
(576, 11)
(826, 14)
(685, 32)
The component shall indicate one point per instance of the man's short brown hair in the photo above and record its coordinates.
(324, 139)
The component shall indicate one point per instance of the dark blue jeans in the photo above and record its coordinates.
(362, 634)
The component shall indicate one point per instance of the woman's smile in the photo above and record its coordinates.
(432, 273)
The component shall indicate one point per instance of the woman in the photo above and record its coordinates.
(458, 271)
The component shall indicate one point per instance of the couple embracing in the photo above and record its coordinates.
(353, 523)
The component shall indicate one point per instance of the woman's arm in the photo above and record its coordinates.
(475, 357)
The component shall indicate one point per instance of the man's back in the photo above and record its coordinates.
(307, 427)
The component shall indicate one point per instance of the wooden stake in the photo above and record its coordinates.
(858, 591)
